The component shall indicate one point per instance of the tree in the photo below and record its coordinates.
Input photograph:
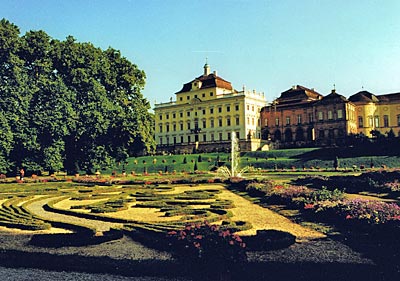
(68, 105)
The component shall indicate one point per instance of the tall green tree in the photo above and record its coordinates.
(68, 105)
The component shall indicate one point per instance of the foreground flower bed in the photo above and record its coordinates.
(208, 248)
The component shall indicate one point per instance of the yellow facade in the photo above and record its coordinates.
(205, 113)
(377, 113)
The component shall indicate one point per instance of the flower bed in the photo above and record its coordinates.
(330, 206)
(207, 248)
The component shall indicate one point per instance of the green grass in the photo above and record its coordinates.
(318, 158)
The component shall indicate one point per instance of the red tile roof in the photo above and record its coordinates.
(209, 81)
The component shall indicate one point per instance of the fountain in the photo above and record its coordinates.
(235, 154)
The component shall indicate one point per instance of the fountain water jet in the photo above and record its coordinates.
(235, 155)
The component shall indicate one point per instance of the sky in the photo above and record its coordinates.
(265, 45)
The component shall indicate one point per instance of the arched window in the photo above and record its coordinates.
(288, 135)
(299, 134)
(278, 135)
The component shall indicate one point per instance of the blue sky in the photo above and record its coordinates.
(266, 45)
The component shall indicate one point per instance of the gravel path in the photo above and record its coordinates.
(25, 274)
(36, 208)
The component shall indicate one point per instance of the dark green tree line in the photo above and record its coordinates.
(66, 105)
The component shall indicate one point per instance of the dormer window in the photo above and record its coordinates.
(196, 85)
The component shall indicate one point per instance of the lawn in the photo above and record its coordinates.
(320, 159)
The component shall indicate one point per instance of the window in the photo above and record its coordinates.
(310, 118)
(228, 108)
(174, 127)
(287, 120)
(276, 121)
(160, 128)
(188, 125)
(385, 121)
(248, 107)
(360, 122)
(204, 137)
(237, 107)
(330, 115)
(188, 97)
(228, 121)
(212, 123)
(174, 140)
(161, 140)
(370, 121)
(212, 137)
(188, 138)
(181, 139)
(211, 94)
(220, 122)
(228, 136)
(377, 125)
(166, 116)
(252, 121)
(252, 108)
(174, 115)
(340, 114)
(181, 99)
(203, 95)
(160, 117)
(299, 119)
(219, 109)
(248, 120)
(167, 127)
(181, 126)
(211, 110)
(181, 114)
(320, 115)
(195, 96)
(204, 112)
(220, 136)
(237, 121)
(188, 113)
(204, 123)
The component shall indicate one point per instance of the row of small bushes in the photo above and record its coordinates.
(375, 181)
(15, 215)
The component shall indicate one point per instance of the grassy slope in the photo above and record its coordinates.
(270, 160)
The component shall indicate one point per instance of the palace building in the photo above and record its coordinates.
(205, 113)
(377, 112)
(303, 117)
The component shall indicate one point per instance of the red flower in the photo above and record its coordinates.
(309, 206)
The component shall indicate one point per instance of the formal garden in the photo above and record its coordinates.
(211, 227)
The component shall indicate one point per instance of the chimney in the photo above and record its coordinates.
(215, 73)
